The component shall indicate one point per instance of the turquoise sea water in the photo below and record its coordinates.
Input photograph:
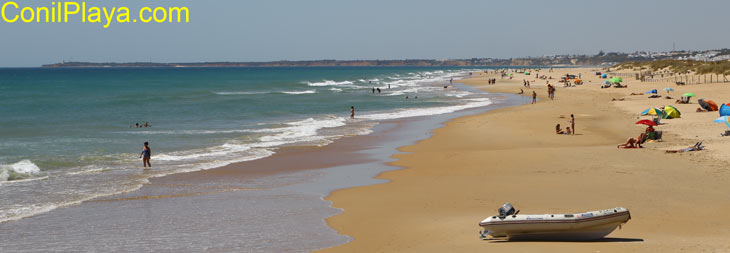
(68, 135)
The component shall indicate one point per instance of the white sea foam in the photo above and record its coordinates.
(294, 132)
(25, 211)
(227, 93)
(299, 92)
(458, 94)
(304, 128)
(88, 171)
(218, 151)
(22, 169)
(329, 83)
(473, 103)
(335, 89)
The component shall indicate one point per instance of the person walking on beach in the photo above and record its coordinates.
(373, 90)
(572, 123)
(352, 112)
(534, 97)
(145, 155)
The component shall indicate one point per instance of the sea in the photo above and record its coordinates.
(70, 135)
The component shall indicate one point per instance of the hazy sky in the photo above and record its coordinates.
(264, 30)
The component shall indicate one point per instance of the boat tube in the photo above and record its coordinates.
(586, 226)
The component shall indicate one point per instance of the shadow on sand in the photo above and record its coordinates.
(609, 239)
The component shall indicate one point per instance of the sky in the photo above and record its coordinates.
(270, 30)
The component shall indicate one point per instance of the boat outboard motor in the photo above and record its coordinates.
(506, 210)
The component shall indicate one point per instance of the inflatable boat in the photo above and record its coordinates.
(587, 226)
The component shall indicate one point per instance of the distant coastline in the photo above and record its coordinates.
(600, 59)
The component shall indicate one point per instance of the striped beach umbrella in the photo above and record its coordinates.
(653, 111)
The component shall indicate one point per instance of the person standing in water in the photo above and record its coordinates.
(352, 112)
(534, 97)
(146, 154)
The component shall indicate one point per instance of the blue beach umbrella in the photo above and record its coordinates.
(723, 119)
(652, 91)
(668, 89)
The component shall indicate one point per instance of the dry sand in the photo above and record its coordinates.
(474, 164)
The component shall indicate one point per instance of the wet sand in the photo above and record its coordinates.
(474, 164)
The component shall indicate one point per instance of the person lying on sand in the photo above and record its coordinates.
(632, 143)
(697, 147)
(668, 97)
(636, 94)
(558, 129)
(701, 110)
(521, 92)
(655, 96)
(618, 99)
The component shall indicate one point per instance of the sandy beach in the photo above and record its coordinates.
(474, 164)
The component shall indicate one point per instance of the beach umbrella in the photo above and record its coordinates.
(652, 91)
(606, 82)
(616, 80)
(668, 89)
(527, 73)
(604, 76)
(707, 104)
(688, 94)
(725, 110)
(723, 119)
(671, 112)
(646, 122)
(703, 104)
(712, 105)
(653, 111)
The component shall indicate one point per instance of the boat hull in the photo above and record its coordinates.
(571, 227)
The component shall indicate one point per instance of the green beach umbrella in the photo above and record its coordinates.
(616, 80)
(688, 94)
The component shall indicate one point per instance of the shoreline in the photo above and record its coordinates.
(459, 176)
(344, 158)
